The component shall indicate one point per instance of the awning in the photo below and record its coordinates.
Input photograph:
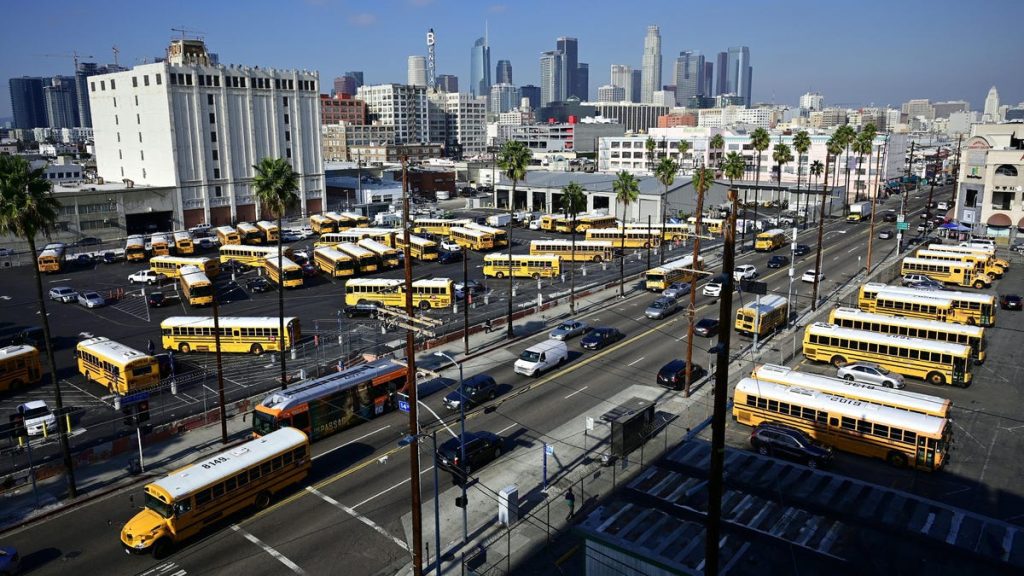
(955, 226)
(1020, 224)
(999, 221)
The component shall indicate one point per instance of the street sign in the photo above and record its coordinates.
(549, 449)
(403, 402)
(134, 398)
(903, 225)
(900, 218)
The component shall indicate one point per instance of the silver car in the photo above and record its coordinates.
(91, 300)
(677, 290)
(63, 294)
(661, 308)
(569, 329)
(870, 373)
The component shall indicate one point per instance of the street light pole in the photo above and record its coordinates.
(462, 443)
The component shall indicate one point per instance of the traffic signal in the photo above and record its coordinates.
(142, 411)
(459, 502)
(129, 415)
(18, 429)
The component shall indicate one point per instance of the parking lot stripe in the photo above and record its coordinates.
(266, 548)
(360, 517)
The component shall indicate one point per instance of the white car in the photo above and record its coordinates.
(943, 206)
(63, 294)
(870, 373)
(91, 300)
(808, 276)
(147, 276)
(450, 246)
(713, 289)
(744, 272)
(37, 416)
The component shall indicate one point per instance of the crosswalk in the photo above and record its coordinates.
(165, 569)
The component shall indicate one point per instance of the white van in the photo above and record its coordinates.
(37, 418)
(979, 243)
(541, 357)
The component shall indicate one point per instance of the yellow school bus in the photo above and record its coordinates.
(250, 255)
(439, 226)
(979, 250)
(946, 305)
(983, 262)
(196, 288)
(250, 234)
(682, 270)
(333, 262)
(135, 248)
(365, 260)
(426, 294)
(171, 265)
(241, 334)
(19, 367)
(227, 235)
(551, 222)
(670, 232)
(419, 248)
(712, 225)
(580, 251)
(122, 370)
(959, 272)
(51, 259)
(387, 255)
(500, 236)
(283, 271)
(321, 224)
(159, 245)
(627, 237)
(471, 239)
(966, 334)
(181, 504)
(183, 243)
(523, 266)
(269, 231)
(770, 240)
(768, 314)
(588, 221)
(356, 220)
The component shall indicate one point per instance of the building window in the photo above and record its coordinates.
(136, 99)
(287, 152)
(142, 155)
(286, 119)
(213, 136)
(140, 137)
(112, 84)
(115, 101)
(1002, 200)
(159, 79)
(277, 83)
(217, 193)
(188, 79)
(202, 80)
(138, 119)
(145, 79)
(209, 99)
(216, 173)
(103, 85)
(215, 154)
(119, 155)
(212, 118)
(242, 81)
(216, 81)
(92, 86)
(116, 122)
(1006, 170)
(119, 137)
(287, 136)
(135, 81)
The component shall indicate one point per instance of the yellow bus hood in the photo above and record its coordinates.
(143, 529)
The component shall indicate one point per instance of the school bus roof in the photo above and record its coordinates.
(11, 351)
(824, 328)
(225, 321)
(919, 323)
(980, 297)
(225, 230)
(111, 349)
(332, 253)
(311, 389)
(182, 235)
(766, 304)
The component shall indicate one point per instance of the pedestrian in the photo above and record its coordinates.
(487, 326)
(570, 501)
(151, 347)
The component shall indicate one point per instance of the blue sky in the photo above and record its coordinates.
(855, 53)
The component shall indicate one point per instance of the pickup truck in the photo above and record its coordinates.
(147, 277)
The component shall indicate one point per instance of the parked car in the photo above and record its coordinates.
(476, 390)
(712, 288)
(475, 287)
(885, 234)
(81, 259)
(10, 561)
(88, 241)
(915, 279)
(569, 329)
(481, 448)
(889, 216)
(870, 373)
(661, 308)
(744, 272)
(300, 257)
(111, 257)
(809, 275)
(4, 252)
(772, 439)
(801, 250)
(234, 267)
(37, 416)
(450, 246)
(706, 327)
(159, 299)
(676, 290)
(91, 300)
(31, 336)
(361, 311)
(673, 374)
(147, 276)
(446, 257)
(309, 271)
(600, 337)
(258, 285)
(290, 236)
(943, 206)
(207, 243)
(778, 261)
(1010, 301)
(63, 294)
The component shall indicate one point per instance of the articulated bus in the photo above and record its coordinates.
(899, 399)
(471, 239)
(242, 334)
(419, 248)
(250, 255)
(582, 251)
(356, 220)
(51, 259)
(500, 236)
(426, 294)
(19, 367)
(712, 225)
(438, 226)
(159, 245)
(171, 265)
(321, 224)
(936, 362)
(183, 243)
(122, 370)
(387, 255)
(963, 307)
(181, 504)
(682, 270)
(332, 403)
(196, 288)
(953, 332)
(770, 240)
(899, 437)
(333, 262)
(249, 234)
(634, 237)
(956, 272)
(669, 232)
(283, 271)
(135, 248)
(982, 262)
(365, 260)
(980, 250)
(269, 231)
(762, 317)
(227, 236)
(523, 266)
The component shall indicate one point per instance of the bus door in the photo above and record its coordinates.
(924, 457)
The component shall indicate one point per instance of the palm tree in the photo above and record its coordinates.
(801, 143)
(650, 144)
(27, 208)
(683, 146)
(816, 170)
(513, 158)
(760, 140)
(665, 172)
(574, 201)
(734, 167)
(717, 143)
(782, 156)
(846, 135)
(275, 184)
(862, 145)
(834, 146)
(627, 190)
(702, 180)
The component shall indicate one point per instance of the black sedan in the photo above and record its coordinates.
(778, 261)
(159, 299)
(600, 337)
(673, 374)
(706, 327)
(449, 257)
(801, 249)
(889, 216)
(258, 285)
(481, 448)
(234, 266)
(1011, 302)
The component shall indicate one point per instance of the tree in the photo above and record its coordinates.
(574, 201)
(513, 159)
(683, 146)
(665, 172)
(782, 156)
(816, 169)
(834, 146)
(627, 190)
(734, 167)
(821, 220)
(801, 143)
(275, 183)
(650, 144)
(702, 180)
(717, 143)
(27, 208)
(862, 145)
(760, 140)
(845, 135)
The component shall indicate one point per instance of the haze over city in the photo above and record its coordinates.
(872, 53)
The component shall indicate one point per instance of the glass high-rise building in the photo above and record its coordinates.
(722, 63)
(583, 82)
(480, 68)
(61, 101)
(569, 47)
(504, 72)
(636, 79)
(738, 73)
(650, 68)
(27, 102)
(551, 88)
(448, 82)
(622, 76)
(689, 76)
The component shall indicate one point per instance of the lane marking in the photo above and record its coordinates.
(635, 361)
(359, 517)
(507, 428)
(570, 395)
(266, 548)
(352, 441)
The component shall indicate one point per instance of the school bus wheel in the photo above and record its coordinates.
(838, 361)
(499, 274)
(256, 349)
(536, 275)
(263, 500)
(184, 348)
(936, 378)
(424, 305)
(897, 459)
(161, 548)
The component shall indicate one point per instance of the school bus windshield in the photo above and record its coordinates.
(161, 508)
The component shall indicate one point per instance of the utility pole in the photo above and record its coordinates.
(410, 381)
(649, 244)
(874, 199)
(691, 311)
(903, 200)
(467, 295)
(220, 368)
(821, 231)
(956, 172)
(721, 392)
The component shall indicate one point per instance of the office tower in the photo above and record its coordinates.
(569, 47)
(532, 93)
(622, 76)
(583, 82)
(448, 83)
(344, 86)
(27, 102)
(504, 72)
(689, 76)
(61, 101)
(464, 128)
(611, 93)
(650, 79)
(551, 76)
(402, 107)
(480, 68)
(82, 74)
(356, 76)
(992, 105)
(721, 84)
(812, 101)
(504, 97)
(417, 71)
(739, 72)
(636, 80)
(709, 72)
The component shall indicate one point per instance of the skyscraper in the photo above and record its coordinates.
(689, 76)
(722, 64)
(417, 71)
(650, 68)
(27, 102)
(345, 86)
(480, 68)
(611, 93)
(551, 77)
(992, 105)
(622, 76)
(504, 97)
(709, 72)
(583, 82)
(739, 72)
(82, 74)
(504, 72)
(61, 102)
(531, 93)
(357, 76)
(448, 82)
(635, 81)
(569, 48)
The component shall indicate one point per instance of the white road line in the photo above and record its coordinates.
(60, 280)
(635, 361)
(639, 319)
(442, 422)
(854, 249)
(574, 393)
(354, 440)
(506, 428)
(266, 548)
(359, 517)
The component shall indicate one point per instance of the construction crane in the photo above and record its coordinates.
(74, 55)
(184, 30)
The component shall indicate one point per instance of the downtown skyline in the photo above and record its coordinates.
(884, 70)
